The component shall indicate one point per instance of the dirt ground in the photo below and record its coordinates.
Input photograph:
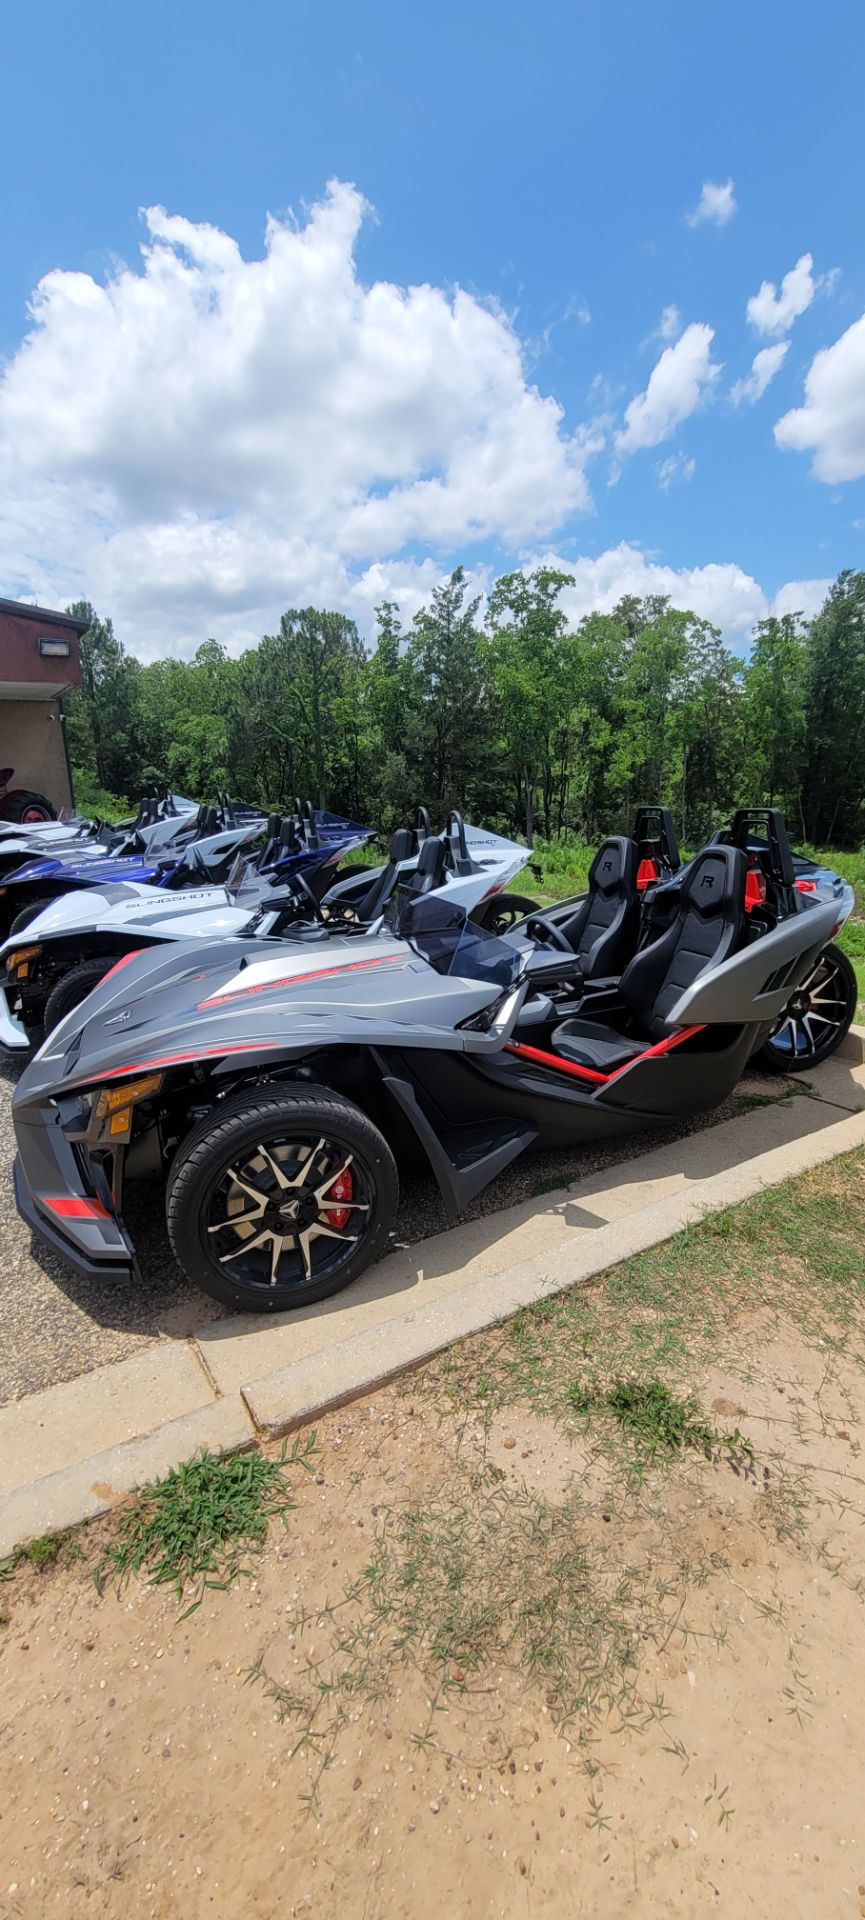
(688, 1736)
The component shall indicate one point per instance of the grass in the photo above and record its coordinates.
(486, 1580)
(203, 1520)
(659, 1421)
(490, 1587)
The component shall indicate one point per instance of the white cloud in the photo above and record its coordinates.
(832, 419)
(723, 593)
(715, 203)
(772, 312)
(670, 323)
(678, 383)
(202, 440)
(764, 367)
(801, 596)
(676, 467)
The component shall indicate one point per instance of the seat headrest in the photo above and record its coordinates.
(430, 871)
(716, 879)
(401, 845)
(614, 864)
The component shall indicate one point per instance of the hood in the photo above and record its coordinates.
(91, 869)
(168, 1007)
(129, 907)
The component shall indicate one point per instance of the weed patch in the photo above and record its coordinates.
(203, 1520)
(661, 1422)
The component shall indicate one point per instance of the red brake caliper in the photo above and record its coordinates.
(342, 1189)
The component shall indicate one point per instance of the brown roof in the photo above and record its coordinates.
(23, 611)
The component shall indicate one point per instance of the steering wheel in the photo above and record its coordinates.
(547, 934)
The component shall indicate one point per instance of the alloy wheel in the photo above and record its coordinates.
(290, 1211)
(814, 1014)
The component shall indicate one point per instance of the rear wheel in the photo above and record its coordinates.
(501, 911)
(26, 806)
(815, 1018)
(73, 988)
(279, 1199)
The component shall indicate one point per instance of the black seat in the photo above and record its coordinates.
(603, 929)
(430, 870)
(401, 849)
(710, 924)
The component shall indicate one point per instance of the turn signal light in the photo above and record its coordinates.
(18, 963)
(118, 1099)
(21, 954)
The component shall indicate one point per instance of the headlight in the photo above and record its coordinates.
(115, 1104)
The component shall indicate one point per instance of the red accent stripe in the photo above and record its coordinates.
(294, 979)
(71, 1207)
(591, 1073)
(122, 962)
(172, 1059)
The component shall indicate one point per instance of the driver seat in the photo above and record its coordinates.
(709, 926)
(603, 930)
(401, 849)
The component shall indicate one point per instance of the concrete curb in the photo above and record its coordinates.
(296, 1394)
(87, 1488)
(225, 1387)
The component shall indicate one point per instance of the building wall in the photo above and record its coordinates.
(20, 659)
(31, 741)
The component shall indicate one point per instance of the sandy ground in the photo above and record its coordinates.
(142, 1773)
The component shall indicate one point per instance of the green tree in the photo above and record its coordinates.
(834, 783)
(774, 746)
(100, 714)
(530, 668)
(449, 714)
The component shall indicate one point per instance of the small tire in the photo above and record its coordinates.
(501, 911)
(73, 988)
(832, 991)
(29, 913)
(230, 1137)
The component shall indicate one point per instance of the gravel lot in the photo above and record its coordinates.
(55, 1325)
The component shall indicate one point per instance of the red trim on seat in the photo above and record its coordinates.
(591, 1073)
(71, 1207)
(647, 874)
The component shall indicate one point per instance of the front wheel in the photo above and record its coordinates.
(816, 1017)
(502, 911)
(73, 988)
(278, 1199)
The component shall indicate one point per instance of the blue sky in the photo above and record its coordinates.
(542, 159)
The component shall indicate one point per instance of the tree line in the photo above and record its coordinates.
(524, 721)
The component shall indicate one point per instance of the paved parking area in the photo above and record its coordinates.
(55, 1324)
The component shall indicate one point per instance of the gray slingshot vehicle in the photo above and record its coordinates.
(273, 1093)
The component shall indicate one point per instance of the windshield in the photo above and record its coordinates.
(243, 881)
(443, 935)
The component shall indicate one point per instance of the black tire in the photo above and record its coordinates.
(26, 914)
(73, 988)
(824, 1005)
(501, 911)
(226, 1144)
(25, 805)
